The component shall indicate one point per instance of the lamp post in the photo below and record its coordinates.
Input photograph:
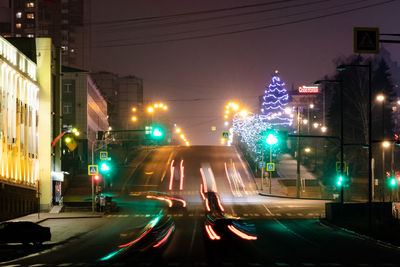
(341, 132)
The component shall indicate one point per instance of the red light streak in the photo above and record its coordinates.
(211, 234)
(201, 192)
(204, 180)
(178, 199)
(241, 234)
(219, 203)
(182, 175)
(171, 179)
(207, 206)
(136, 240)
(165, 237)
(163, 199)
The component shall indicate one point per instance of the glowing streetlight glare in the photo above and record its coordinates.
(68, 140)
(165, 107)
(150, 109)
(307, 149)
(74, 130)
(178, 130)
(161, 105)
(398, 102)
(380, 97)
(134, 118)
(227, 106)
(77, 133)
(109, 128)
(305, 121)
(134, 109)
(287, 110)
(187, 143)
(226, 111)
(385, 144)
(244, 113)
(182, 136)
(323, 129)
(315, 124)
(156, 105)
(226, 123)
(226, 116)
(311, 105)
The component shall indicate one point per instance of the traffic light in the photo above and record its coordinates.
(272, 139)
(104, 167)
(96, 178)
(392, 181)
(157, 132)
(339, 181)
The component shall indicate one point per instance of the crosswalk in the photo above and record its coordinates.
(315, 215)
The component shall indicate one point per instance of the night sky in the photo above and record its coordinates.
(196, 77)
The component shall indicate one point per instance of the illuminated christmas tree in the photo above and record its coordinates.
(274, 102)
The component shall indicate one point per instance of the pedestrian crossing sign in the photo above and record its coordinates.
(103, 155)
(225, 134)
(270, 167)
(93, 169)
(339, 166)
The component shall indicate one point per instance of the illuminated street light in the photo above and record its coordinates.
(323, 129)
(226, 116)
(227, 112)
(398, 102)
(150, 110)
(380, 97)
(182, 136)
(68, 140)
(315, 124)
(305, 121)
(178, 130)
(134, 109)
(307, 150)
(244, 113)
(156, 105)
(311, 105)
(386, 144)
(226, 123)
(134, 118)
(109, 128)
(165, 107)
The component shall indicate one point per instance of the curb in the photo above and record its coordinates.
(305, 198)
(72, 217)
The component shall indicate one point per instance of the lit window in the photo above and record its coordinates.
(18, 35)
(30, 15)
(67, 108)
(30, 35)
(18, 25)
(18, 15)
(30, 4)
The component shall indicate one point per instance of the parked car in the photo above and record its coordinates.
(24, 232)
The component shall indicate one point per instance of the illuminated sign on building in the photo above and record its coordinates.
(308, 89)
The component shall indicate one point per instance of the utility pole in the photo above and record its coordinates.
(298, 155)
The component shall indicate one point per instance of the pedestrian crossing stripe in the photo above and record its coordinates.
(93, 169)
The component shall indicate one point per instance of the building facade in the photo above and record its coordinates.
(22, 167)
(61, 20)
(84, 108)
(122, 94)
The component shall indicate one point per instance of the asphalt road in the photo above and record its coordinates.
(289, 231)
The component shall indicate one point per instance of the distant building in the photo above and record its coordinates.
(61, 20)
(122, 94)
(25, 151)
(83, 107)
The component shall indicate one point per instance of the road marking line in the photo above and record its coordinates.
(278, 214)
(65, 264)
(245, 214)
(256, 214)
(300, 214)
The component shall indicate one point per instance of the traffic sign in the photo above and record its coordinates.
(93, 169)
(270, 167)
(103, 155)
(366, 40)
(262, 164)
(225, 134)
(338, 166)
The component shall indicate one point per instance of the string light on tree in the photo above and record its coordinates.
(275, 100)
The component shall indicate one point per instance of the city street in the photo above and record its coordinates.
(288, 231)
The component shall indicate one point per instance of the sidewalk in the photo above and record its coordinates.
(66, 226)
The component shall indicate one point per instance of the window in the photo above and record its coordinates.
(30, 35)
(18, 15)
(30, 15)
(18, 25)
(18, 35)
(67, 108)
(30, 4)
(67, 88)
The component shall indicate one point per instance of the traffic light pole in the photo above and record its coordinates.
(298, 155)
(341, 143)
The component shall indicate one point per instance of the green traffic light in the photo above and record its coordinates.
(157, 132)
(340, 180)
(104, 167)
(272, 140)
(393, 182)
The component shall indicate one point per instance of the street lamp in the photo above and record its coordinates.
(323, 129)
